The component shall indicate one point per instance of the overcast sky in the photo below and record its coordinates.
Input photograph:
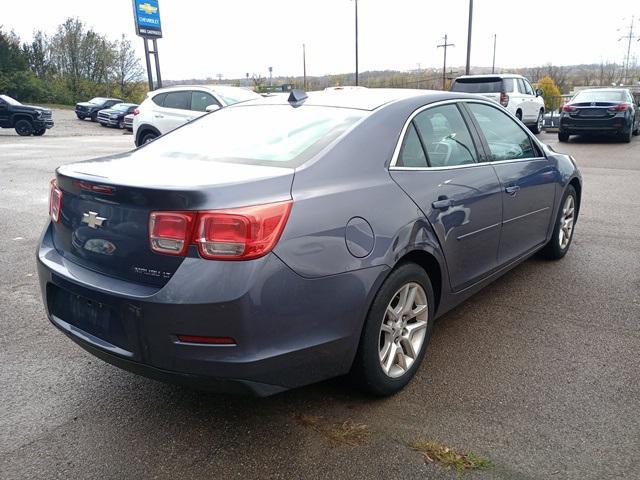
(205, 37)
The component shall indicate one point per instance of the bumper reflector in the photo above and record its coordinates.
(206, 340)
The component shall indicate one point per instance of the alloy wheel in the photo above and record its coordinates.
(567, 219)
(403, 330)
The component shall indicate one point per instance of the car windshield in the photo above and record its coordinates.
(600, 96)
(98, 100)
(236, 95)
(277, 135)
(9, 100)
(121, 107)
(474, 85)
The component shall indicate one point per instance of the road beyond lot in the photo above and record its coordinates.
(538, 372)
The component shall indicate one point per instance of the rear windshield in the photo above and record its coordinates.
(480, 85)
(275, 135)
(601, 96)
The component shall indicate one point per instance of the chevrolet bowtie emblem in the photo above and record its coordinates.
(92, 219)
(148, 8)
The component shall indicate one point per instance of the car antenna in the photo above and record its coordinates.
(297, 96)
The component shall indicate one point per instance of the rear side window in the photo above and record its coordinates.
(506, 140)
(412, 153)
(180, 100)
(521, 88)
(159, 99)
(201, 100)
(445, 136)
(528, 88)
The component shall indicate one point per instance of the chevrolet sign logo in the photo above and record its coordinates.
(93, 220)
(148, 8)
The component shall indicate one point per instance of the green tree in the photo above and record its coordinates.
(550, 92)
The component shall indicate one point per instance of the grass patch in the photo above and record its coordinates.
(348, 432)
(446, 456)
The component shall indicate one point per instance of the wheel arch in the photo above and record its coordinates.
(429, 264)
(575, 183)
(20, 116)
(144, 129)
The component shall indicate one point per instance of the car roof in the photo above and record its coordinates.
(360, 99)
(490, 75)
(213, 88)
(607, 89)
(127, 104)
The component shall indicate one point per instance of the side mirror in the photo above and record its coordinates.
(539, 92)
(212, 108)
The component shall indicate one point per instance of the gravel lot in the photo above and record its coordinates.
(538, 372)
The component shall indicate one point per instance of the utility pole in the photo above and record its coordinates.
(493, 66)
(357, 80)
(468, 67)
(271, 76)
(304, 68)
(219, 75)
(629, 36)
(445, 45)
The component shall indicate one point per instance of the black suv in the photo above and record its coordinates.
(91, 108)
(114, 116)
(27, 120)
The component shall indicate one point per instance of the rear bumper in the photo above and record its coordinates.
(289, 331)
(594, 125)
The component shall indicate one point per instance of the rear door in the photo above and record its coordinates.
(527, 179)
(175, 111)
(532, 104)
(439, 166)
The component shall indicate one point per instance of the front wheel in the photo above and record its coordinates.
(94, 117)
(563, 136)
(24, 128)
(80, 117)
(39, 133)
(396, 332)
(560, 241)
(148, 137)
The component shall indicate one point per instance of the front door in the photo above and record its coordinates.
(439, 167)
(527, 178)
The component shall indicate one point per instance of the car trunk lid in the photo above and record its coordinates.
(107, 202)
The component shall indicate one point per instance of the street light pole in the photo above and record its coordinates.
(468, 67)
(493, 66)
(304, 68)
(356, 1)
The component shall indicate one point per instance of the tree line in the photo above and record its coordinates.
(74, 64)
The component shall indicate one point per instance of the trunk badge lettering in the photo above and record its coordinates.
(93, 220)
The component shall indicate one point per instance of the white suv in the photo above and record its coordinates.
(168, 108)
(514, 92)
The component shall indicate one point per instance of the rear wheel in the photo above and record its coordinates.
(537, 128)
(560, 241)
(24, 128)
(563, 136)
(147, 137)
(627, 136)
(396, 332)
(519, 115)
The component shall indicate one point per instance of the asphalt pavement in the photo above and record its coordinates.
(538, 372)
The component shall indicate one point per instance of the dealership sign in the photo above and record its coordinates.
(147, 17)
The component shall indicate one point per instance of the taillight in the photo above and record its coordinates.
(55, 201)
(504, 99)
(569, 108)
(170, 232)
(136, 112)
(206, 340)
(234, 234)
(242, 233)
(621, 107)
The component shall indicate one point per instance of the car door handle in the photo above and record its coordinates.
(512, 189)
(442, 204)
(158, 116)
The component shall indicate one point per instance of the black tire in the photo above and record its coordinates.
(626, 137)
(39, 133)
(121, 124)
(24, 128)
(519, 115)
(94, 117)
(554, 250)
(147, 137)
(367, 371)
(103, 124)
(80, 117)
(537, 128)
(563, 136)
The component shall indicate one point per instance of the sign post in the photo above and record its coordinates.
(146, 14)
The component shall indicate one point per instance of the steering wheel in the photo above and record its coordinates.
(444, 149)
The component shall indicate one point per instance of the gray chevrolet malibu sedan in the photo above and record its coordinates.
(287, 240)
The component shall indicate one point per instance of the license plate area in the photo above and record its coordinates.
(99, 319)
